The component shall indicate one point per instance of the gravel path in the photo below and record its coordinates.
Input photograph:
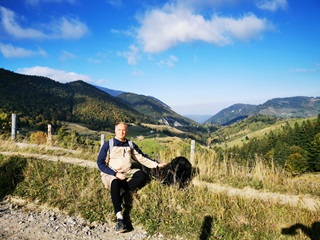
(21, 221)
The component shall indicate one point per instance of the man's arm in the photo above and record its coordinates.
(101, 161)
(139, 156)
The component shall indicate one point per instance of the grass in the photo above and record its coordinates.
(79, 128)
(260, 176)
(191, 213)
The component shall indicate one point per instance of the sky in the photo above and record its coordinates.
(198, 57)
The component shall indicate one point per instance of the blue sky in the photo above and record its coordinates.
(198, 57)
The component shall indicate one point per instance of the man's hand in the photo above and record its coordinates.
(120, 176)
(162, 165)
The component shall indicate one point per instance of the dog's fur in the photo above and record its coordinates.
(178, 171)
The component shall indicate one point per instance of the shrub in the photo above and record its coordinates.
(38, 138)
(296, 164)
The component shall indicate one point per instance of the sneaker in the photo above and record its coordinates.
(120, 226)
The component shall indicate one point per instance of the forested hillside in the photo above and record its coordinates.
(154, 108)
(232, 114)
(296, 148)
(150, 106)
(38, 101)
(98, 109)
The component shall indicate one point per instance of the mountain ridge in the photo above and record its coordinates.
(299, 107)
(41, 100)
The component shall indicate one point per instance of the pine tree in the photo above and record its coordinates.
(314, 154)
(281, 152)
(317, 125)
(308, 133)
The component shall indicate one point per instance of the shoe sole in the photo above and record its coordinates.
(122, 231)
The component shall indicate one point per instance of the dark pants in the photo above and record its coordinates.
(136, 180)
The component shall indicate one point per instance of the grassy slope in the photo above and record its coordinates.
(191, 213)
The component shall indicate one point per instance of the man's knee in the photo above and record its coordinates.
(137, 180)
(114, 182)
(140, 175)
(107, 180)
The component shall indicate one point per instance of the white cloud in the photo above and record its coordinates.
(10, 51)
(128, 33)
(13, 28)
(69, 28)
(137, 72)
(64, 28)
(164, 28)
(58, 75)
(170, 62)
(94, 60)
(132, 55)
(103, 81)
(99, 57)
(208, 4)
(272, 5)
(115, 3)
(303, 70)
(306, 70)
(65, 55)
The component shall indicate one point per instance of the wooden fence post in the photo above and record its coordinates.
(14, 127)
(49, 139)
(192, 151)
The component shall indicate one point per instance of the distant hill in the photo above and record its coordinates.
(301, 107)
(153, 107)
(232, 114)
(150, 106)
(40, 100)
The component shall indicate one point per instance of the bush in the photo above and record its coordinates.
(38, 138)
(296, 164)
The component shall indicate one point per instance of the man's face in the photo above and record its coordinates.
(121, 131)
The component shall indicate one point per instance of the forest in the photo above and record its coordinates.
(295, 148)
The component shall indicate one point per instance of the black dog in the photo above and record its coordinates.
(178, 171)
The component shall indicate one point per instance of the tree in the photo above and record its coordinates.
(317, 125)
(314, 154)
(308, 134)
(4, 123)
(296, 164)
